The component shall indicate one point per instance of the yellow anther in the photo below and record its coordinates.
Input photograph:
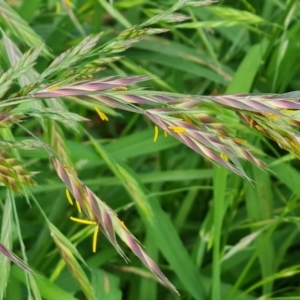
(120, 88)
(155, 134)
(165, 134)
(95, 236)
(52, 87)
(239, 141)
(224, 156)
(96, 231)
(272, 116)
(177, 129)
(221, 135)
(82, 221)
(287, 111)
(78, 207)
(57, 8)
(102, 115)
(69, 197)
(123, 225)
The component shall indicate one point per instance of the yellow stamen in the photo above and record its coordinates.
(82, 221)
(177, 129)
(57, 8)
(165, 134)
(224, 156)
(95, 235)
(155, 133)
(123, 225)
(239, 141)
(120, 88)
(69, 197)
(78, 207)
(222, 136)
(102, 115)
(272, 116)
(287, 111)
(52, 87)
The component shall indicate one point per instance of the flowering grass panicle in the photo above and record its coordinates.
(100, 215)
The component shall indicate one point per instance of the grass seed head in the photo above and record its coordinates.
(101, 215)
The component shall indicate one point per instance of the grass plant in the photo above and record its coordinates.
(149, 149)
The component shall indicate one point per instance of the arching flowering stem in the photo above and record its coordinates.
(99, 213)
(191, 119)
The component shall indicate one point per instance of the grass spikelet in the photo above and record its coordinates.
(25, 90)
(14, 258)
(71, 56)
(24, 64)
(102, 61)
(189, 3)
(87, 87)
(10, 19)
(120, 46)
(62, 116)
(13, 175)
(7, 119)
(24, 145)
(168, 18)
(57, 141)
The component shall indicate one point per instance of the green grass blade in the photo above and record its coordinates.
(6, 240)
(220, 182)
(106, 285)
(48, 289)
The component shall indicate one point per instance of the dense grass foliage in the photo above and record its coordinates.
(214, 234)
